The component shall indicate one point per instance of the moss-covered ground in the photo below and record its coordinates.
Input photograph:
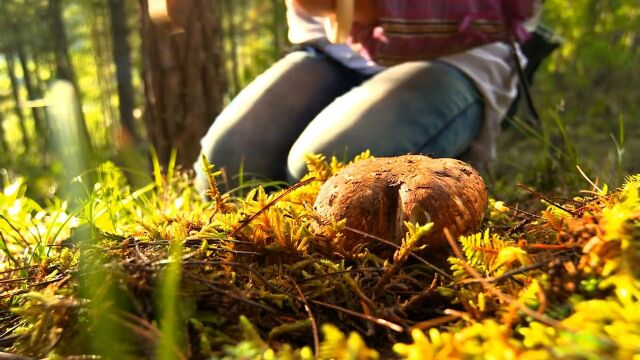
(157, 272)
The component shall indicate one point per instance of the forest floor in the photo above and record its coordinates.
(157, 272)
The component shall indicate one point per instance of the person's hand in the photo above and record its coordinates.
(172, 13)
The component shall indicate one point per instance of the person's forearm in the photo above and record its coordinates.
(366, 11)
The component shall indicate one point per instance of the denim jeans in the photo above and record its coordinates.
(309, 103)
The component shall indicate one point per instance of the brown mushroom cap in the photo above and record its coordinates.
(377, 195)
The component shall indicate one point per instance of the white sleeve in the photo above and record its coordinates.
(303, 27)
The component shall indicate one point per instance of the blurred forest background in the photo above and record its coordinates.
(138, 86)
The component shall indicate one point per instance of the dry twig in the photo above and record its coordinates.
(314, 323)
(396, 246)
(381, 322)
(551, 202)
(270, 204)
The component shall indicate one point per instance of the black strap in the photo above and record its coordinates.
(524, 86)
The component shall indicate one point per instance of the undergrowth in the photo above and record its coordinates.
(158, 272)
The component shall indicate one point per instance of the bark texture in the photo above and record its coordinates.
(122, 60)
(377, 196)
(184, 79)
(32, 92)
(15, 91)
(64, 67)
(4, 146)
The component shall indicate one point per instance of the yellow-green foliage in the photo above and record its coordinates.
(257, 277)
(607, 327)
(486, 339)
(489, 254)
(340, 347)
(27, 230)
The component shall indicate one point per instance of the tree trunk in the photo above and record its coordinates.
(3, 140)
(64, 68)
(184, 80)
(103, 58)
(122, 59)
(36, 57)
(15, 89)
(32, 92)
(278, 28)
(233, 39)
